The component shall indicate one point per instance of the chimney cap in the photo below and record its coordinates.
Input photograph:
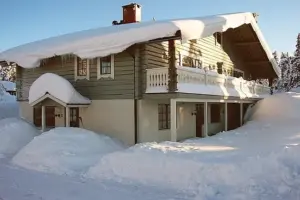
(132, 5)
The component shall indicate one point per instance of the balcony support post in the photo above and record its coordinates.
(172, 83)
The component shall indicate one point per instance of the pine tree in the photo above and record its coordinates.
(296, 64)
(286, 81)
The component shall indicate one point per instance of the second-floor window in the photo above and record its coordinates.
(189, 61)
(82, 68)
(82, 65)
(105, 67)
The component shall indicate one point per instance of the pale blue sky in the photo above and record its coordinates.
(25, 21)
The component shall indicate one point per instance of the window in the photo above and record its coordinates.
(81, 68)
(215, 113)
(105, 67)
(74, 117)
(189, 61)
(238, 73)
(164, 119)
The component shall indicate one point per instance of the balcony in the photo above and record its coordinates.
(200, 81)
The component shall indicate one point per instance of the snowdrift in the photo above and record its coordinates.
(9, 109)
(15, 134)
(258, 159)
(65, 151)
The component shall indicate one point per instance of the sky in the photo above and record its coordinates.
(27, 21)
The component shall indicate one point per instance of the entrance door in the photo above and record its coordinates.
(199, 119)
(50, 116)
(74, 117)
(233, 116)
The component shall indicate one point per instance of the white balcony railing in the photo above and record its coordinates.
(199, 81)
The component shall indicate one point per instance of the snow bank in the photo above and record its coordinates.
(115, 39)
(65, 151)
(260, 159)
(278, 107)
(8, 85)
(15, 134)
(56, 86)
(9, 109)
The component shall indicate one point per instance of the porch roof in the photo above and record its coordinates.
(57, 88)
(114, 39)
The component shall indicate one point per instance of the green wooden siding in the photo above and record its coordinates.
(121, 87)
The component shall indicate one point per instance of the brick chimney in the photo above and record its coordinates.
(132, 13)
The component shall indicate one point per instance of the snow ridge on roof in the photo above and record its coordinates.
(57, 87)
(114, 39)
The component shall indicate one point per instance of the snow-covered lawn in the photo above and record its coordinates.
(257, 161)
(65, 151)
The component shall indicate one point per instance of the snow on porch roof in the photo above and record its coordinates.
(58, 87)
(114, 39)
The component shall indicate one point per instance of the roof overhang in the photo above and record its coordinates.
(114, 39)
(49, 96)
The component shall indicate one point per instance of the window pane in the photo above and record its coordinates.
(163, 116)
(81, 67)
(105, 65)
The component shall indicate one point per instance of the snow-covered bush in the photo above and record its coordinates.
(65, 151)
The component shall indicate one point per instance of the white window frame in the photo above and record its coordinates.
(112, 69)
(181, 54)
(77, 77)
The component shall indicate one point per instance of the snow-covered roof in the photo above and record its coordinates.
(8, 85)
(57, 87)
(114, 39)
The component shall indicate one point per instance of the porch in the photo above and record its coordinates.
(200, 81)
(48, 114)
(207, 117)
(177, 119)
(55, 105)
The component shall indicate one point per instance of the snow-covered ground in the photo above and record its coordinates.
(257, 161)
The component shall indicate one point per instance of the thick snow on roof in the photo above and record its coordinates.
(114, 39)
(57, 87)
(8, 85)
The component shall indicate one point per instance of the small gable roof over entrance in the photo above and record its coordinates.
(57, 88)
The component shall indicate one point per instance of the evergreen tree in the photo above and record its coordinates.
(296, 64)
(286, 81)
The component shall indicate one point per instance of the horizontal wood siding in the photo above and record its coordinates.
(212, 52)
(153, 55)
(121, 87)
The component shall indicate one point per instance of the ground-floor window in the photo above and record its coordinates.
(74, 117)
(164, 118)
